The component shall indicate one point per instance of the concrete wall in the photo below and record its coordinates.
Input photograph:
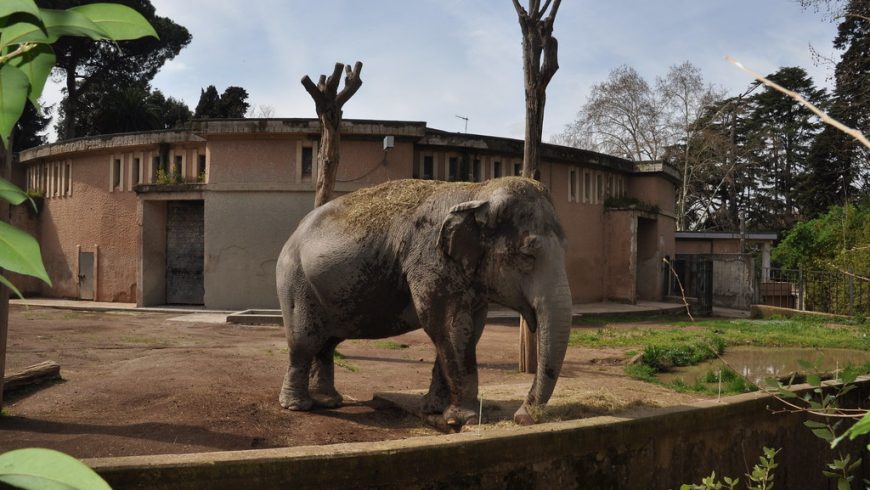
(620, 233)
(244, 233)
(660, 450)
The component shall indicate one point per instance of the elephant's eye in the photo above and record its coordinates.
(531, 245)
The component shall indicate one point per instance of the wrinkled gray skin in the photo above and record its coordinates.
(435, 265)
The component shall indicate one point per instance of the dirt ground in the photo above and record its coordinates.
(153, 383)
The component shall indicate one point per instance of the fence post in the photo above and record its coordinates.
(801, 305)
(851, 291)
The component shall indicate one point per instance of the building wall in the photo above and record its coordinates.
(711, 246)
(90, 215)
(255, 194)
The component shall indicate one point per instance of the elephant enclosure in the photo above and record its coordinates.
(151, 383)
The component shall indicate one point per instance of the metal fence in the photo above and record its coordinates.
(836, 292)
(738, 280)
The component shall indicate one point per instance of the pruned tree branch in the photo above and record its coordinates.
(804, 102)
(328, 102)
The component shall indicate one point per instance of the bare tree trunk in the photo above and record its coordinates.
(328, 102)
(70, 104)
(540, 63)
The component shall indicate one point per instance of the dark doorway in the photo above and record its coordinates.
(184, 252)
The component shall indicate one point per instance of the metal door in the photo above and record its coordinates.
(86, 275)
(184, 252)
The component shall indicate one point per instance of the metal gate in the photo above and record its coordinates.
(184, 252)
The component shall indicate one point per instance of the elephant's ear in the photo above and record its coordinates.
(461, 235)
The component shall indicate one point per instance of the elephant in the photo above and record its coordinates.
(413, 253)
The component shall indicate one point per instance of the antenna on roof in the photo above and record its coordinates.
(464, 118)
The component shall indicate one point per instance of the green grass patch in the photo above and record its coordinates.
(340, 361)
(667, 342)
(792, 332)
(390, 344)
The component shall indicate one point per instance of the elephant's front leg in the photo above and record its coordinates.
(455, 339)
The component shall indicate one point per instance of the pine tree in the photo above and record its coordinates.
(838, 170)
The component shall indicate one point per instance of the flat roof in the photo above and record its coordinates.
(725, 235)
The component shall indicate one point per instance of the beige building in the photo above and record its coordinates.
(198, 216)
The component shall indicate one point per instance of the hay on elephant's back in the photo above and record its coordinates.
(373, 208)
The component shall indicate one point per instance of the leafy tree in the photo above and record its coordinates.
(231, 104)
(173, 112)
(838, 166)
(209, 103)
(133, 107)
(90, 68)
(30, 129)
(781, 133)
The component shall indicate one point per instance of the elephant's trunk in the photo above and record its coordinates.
(551, 299)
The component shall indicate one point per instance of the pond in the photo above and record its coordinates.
(761, 363)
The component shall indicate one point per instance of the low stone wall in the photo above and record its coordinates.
(658, 451)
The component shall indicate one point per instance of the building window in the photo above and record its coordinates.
(452, 168)
(200, 168)
(428, 167)
(116, 174)
(307, 162)
(135, 171)
(496, 169)
(476, 170)
(68, 179)
(178, 167)
(599, 187)
(518, 169)
(156, 167)
(572, 185)
(587, 186)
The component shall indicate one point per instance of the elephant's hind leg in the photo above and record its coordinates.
(301, 323)
(322, 380)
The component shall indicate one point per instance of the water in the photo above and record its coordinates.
(761, 363)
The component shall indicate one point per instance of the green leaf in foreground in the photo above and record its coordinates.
(19, 252)
(118, 21)
(36, 64)
(8, 284)
(9, 7)
(11, 192)
(35, 468)
(13, 95)
(58, 23)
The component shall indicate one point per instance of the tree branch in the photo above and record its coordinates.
(335, 78)
(352, 83)
(313, 91)
(799, 98)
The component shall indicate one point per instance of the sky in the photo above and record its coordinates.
(434, 60)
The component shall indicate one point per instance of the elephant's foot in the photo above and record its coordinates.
(455, 417)
(297, 403)
(433, 403)
(327, 399)
(523, 416)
